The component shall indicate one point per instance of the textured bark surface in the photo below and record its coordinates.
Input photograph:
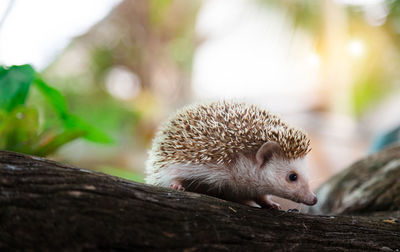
(47, 206)
(369, 186)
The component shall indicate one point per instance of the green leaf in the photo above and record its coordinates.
(92, 133)
(53, 96)
(3, 116)
(3, 120)
(19, 129)
(71, 122)
(58, 141)
(14, 85)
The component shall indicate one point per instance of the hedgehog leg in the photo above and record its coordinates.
(251, 203)
(266, 202)
(176, 185)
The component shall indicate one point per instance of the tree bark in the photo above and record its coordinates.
(47, 206)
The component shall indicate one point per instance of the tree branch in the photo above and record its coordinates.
(49, 206)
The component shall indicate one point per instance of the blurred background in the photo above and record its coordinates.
(330, 67)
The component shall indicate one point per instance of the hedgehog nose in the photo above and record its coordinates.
(314, 201)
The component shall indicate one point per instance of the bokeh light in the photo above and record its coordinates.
(356, 48)
(122, 83)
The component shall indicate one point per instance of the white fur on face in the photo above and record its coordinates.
(277, 170)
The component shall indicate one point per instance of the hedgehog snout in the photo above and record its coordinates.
(312, 200)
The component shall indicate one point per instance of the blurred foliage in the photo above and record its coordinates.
(14, 86)
(20, 128)
(376, 77)
(181, 51)
(306, 14)
(154, 41)
(102, 61)
(158, 9)
(367, 92)
(122, 173)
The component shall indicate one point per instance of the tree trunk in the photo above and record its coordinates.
(47, 206)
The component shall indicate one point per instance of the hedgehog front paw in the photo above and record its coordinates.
(274, 205)
(265, 201)
(177, 186)
(251, 203)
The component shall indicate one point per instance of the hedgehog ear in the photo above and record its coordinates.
(266, 151)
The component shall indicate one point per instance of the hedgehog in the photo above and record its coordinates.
(231, 150)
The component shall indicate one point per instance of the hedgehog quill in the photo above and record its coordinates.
(233, 151)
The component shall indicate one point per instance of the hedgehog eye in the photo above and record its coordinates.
(292, 177)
